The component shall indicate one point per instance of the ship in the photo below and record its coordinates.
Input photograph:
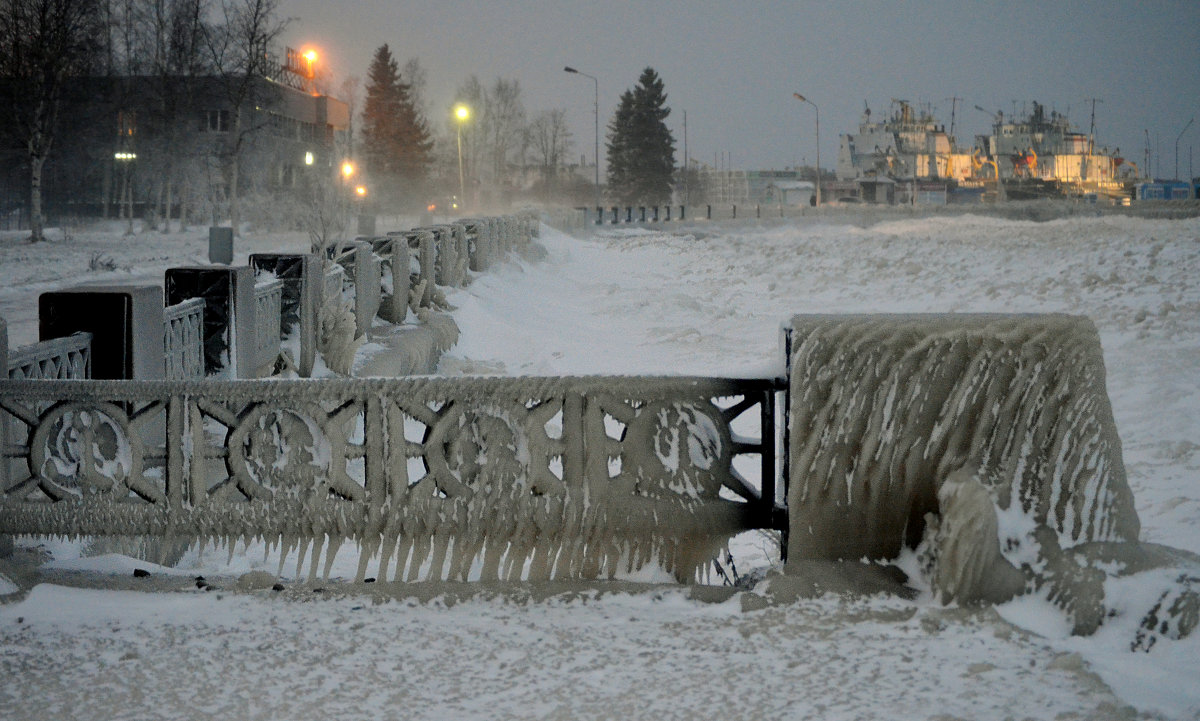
(1038, 156)
(1043, 155)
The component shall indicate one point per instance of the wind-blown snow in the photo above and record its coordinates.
(706, 301)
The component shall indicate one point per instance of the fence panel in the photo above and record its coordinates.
(268, 318)
(522, 477)
(183, 333)
(68, 358)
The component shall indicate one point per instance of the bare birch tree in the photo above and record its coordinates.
(241, 51)
(43, 43)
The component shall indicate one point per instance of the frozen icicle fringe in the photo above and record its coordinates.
(886, 408)
(987, 439)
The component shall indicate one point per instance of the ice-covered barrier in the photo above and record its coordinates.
(434, 477)
(893, 417)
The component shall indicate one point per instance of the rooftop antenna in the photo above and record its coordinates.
(1092, 128)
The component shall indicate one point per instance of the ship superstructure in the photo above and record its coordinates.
(1047, 147)
(908, 143)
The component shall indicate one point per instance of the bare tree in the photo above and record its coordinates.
(43, 43)
(505, 117)
(241, 51)
(550, 139)
(176, 34)
(496, 129)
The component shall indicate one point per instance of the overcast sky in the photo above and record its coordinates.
(734, 66)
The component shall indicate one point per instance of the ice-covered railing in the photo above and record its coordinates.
(66, 358)
(183, 336)
(434, 478)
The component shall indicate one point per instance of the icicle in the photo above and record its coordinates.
(302, 550)
(335, 543)
(318, 544)
(366, 551)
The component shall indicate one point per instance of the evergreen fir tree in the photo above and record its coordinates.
(619, 151)
(397, 148)
(641, 149)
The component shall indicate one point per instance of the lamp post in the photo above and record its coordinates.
(461, 113)
(1181, 132)
(817, 110)
(596, 107)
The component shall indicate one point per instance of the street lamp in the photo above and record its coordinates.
(817, 110)
(310, 72)
(461, 114)
(596, 84)
(347, 169)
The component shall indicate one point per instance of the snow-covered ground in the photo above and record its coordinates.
(698, 300)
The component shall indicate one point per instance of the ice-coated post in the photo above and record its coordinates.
(228, 295)
(444, 253)
(366, 287)
(477, 244)
(599, 215)
(614, 214)
(427, 257)
(709, 213)
(395, 250)
(656, 214)
(220, 245)
(682, 212)
(641, 214)
(126, 323)
(735, 212)
(668, 218)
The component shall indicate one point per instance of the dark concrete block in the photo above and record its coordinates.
(126, 323)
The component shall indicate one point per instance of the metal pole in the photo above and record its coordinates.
(596, 108)
(1181, 132)
(462, 187)
(817, 110)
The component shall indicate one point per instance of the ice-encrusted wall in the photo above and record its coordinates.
(884, 409)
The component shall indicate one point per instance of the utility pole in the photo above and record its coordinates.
(686, 170)
(596, 118)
